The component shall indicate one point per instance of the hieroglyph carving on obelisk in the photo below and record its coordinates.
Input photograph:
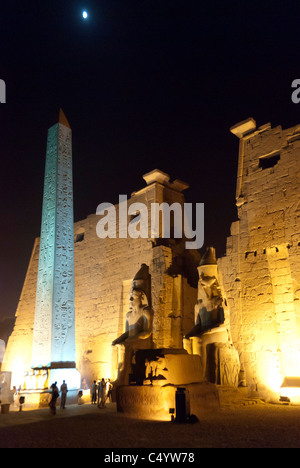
(54, 323)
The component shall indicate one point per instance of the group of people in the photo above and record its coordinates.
(55, 395)
(101, 391)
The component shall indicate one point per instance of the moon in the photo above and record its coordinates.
(84, 14)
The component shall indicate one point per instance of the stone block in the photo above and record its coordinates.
(152, 402)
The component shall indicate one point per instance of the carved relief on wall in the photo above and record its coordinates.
(54, 313)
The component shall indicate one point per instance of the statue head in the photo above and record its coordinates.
(137, 299)
(140, 292)
(208, 267)
(209, 293)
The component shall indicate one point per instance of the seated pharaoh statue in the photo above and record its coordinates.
(139, 318)
(210, 337)
(209, 311)
(138, 325)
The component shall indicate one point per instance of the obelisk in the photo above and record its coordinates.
(54, 323)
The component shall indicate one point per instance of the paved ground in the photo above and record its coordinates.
(86, 426)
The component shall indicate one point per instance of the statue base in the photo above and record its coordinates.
(155, 402)
(162, 366)
(171, 367)
(41, 378)
(37, 389)
(71, 377)
(35, 399)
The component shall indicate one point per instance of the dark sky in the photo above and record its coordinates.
(144, 84)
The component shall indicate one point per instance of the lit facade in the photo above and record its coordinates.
(104, 270)
(260, 273)
(261, 269)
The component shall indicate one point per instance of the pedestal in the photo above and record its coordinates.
(71, 377)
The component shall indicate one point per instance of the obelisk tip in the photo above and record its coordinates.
(62, 119)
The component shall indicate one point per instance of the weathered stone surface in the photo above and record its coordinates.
(54, 323)
(176, 369)
(154, 402)
(261, 272)
(104, 270)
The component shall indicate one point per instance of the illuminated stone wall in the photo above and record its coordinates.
(104, 269)
(2, 351)
(261, 269)
(19, 347)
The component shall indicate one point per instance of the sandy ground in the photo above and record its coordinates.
(261, 425)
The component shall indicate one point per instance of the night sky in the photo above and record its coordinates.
(144, 84)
